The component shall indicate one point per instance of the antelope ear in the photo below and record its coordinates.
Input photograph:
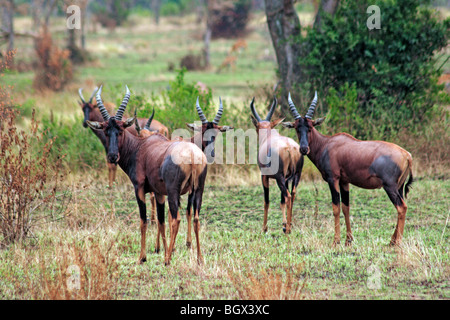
(191, 126)
(225, 128)
(255, 122)
(273, 124)
(94, 125)
(318, 122)
(129, 122)
(289, 125)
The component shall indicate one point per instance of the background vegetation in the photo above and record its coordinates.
(383, 86)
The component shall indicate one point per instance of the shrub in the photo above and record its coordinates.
(176, 105)
(111, 13)
(54, 69)
(69, 135)
(229, 18)
(393, 69)
(28, 180)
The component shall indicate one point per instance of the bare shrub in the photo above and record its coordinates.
(28, 182)
(54, 68)
(192, 62)
(269, 286)
(229, 18)
(70, 270)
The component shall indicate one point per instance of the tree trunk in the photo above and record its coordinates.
(7, 12)
(328, 6)
(156, 4)
(208, 32)
(284, 26)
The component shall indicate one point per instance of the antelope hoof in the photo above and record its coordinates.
(285, 230)
(188, 244)
(167, 263)
(394, 243)
(348, 243)
(157, 250)
(142, 260)
(336, 243)
(200, 261)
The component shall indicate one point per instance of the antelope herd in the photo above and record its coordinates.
(169, 168)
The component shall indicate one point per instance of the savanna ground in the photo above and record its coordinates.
(99, 231)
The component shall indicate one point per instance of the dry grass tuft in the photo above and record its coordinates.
(270, 286)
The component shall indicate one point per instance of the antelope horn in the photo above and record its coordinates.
(292, 108)
(80, 92)
(136, 124)
(123, 106)
(272, 109)
(93, 95)
(100, 105)
(219, 113)
(312, 109)
(252, 106)
(149, 122)
(200, 112)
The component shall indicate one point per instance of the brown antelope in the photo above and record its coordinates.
(206, 134)
(343, 160)
(92, 113)
(156, 164)
(278, 158)
(238, 46)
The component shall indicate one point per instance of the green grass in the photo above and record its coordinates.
(102, 225)
(234, 245)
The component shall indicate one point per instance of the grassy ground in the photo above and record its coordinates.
(100, 235)
(98, 232)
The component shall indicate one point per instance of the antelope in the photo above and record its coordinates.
(92, 113)
(343, 160)
(155, 164)
(276, 148)
(207, 135)
(211, 129)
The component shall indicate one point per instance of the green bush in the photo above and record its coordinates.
(392, 69)
(170, 9)
(82, 148)
(111, 12)
(176, 105)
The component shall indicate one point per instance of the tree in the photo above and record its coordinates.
(7, 7)
(327, 7)
(284, 26)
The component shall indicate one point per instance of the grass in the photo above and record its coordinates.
(241, 262)
(98, 231)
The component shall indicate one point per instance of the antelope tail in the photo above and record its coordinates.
(410, 179)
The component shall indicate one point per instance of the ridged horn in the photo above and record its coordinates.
(149, 122)
(80, 93)
(123, 106)
(100, 105)
(272, 109)
(93, 95)
(312, 108)
(136, 123)
(200, 112)
(292, 108)
(252, 107)
(219, 113)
